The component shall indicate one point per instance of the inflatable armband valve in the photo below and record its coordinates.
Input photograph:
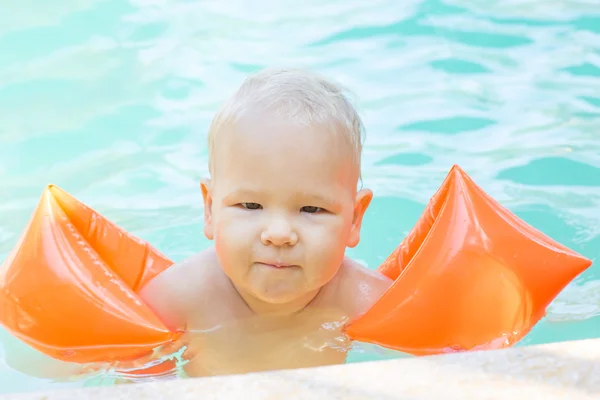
(69, 287)
(470, 275)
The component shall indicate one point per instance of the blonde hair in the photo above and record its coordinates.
(302, 96)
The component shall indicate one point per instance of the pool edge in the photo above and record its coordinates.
(561, 370)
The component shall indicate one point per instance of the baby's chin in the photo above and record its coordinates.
(278, 292)
(280, 287)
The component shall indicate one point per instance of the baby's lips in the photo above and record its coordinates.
(278, 264)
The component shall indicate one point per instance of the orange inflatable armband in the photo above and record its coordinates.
(69, 288)
(470, 275)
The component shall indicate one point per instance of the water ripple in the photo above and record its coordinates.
(111, 100)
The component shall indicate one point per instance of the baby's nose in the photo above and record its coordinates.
(279, 233)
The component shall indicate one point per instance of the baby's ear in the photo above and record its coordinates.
(205, 186)
(361, 203)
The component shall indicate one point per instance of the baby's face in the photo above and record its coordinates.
(282, 207)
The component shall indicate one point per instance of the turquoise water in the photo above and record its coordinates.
(111, 101)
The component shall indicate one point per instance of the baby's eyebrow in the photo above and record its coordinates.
(322, 198)
(242, 193)
(307, 196)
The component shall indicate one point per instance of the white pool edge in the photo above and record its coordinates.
(563, 370)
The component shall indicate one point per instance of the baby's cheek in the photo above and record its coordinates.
(225, 240)
(234, 236)
(329, 247)
(336, 233)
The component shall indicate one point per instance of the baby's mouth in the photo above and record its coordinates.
(277, 264)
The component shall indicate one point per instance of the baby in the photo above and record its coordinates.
(281, 206)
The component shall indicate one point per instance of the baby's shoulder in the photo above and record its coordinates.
(187, 290)
(358, 288)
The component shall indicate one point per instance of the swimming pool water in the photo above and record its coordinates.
(111, 99)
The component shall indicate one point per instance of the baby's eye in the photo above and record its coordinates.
(252, 206)
(310, 209)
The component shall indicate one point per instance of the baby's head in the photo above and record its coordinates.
(282, 203)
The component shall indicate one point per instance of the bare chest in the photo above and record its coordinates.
(259, 344)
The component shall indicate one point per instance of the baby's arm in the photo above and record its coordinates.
(361, 288)
(168, 295)
(171, 294)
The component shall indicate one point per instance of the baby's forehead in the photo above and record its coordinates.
(296, 159)
(270, 129)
